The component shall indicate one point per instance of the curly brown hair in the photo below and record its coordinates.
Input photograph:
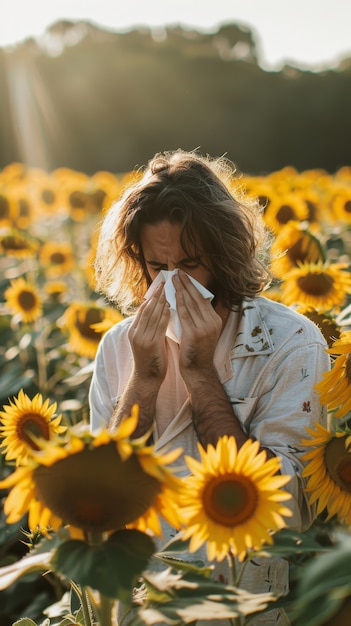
(195, 192)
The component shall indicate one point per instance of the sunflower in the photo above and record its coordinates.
(112, 317)
(88, 262)
(260, 189)
(23, 298)
(328, 472)
(231, 500)
(327, 323)
(23, 499)
(15, 244)
(57, 258)
(79, 194)
(342, 205)
(107, 183)
(317, 285)
(272, 293)
(56, 290)
(285, 208)
(24, 418)
(314, 207)
(294, 245)
(96, 483)
(47, 197)
(335, 386)
(86, 323)
(14, 172)
(25, 210)
(7, 208)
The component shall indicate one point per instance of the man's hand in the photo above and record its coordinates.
(147, 340)
(201, 328)
(147, 337)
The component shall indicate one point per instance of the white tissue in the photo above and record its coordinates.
(174, 329)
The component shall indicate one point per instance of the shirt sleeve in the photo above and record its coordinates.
(100, 401)
(285, 405)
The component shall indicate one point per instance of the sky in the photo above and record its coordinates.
(310, 34)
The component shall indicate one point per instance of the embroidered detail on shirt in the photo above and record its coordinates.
(304, 373)
(222, 579)
(256, 332)
(306, 406)
(294, 450)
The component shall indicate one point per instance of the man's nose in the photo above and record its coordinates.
(171, 266)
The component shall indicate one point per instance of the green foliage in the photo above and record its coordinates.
(178, 599)
(324, 584)
(143, 95)
(111, 567)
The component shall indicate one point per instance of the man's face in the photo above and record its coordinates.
(162, 250)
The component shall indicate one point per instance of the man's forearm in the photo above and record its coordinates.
(144, 394)
(213, 414)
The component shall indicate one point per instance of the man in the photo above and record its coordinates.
(244, 366)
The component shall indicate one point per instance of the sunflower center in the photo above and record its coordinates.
(230, 500)
(285, 214)
(347, 206)
(48, 196)
(32, 424)
(4, 207)
(298, 252)
(27, 300)
(95, 489)
(316, 284)
(312, 210)
(264, 201)
(338, 463)
(327, 326)
(77, 200)
(58, 258)
(24, 208)
(14, 243)
(99, 196)
(92, 316)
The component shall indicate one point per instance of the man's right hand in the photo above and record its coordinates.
(147, 337)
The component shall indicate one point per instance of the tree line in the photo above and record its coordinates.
(90, 99)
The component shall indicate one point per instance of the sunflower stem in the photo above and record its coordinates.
(236, 621)
(106, 604)
(41, 356)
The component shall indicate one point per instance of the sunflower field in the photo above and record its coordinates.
(52, 320)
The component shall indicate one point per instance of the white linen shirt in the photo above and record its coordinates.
(268, 359)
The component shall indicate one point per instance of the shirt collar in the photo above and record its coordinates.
(245, 334)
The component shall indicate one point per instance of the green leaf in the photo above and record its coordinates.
(13, 380)
(176, 545)
(75, 598)
(24, 621)
(195, 567)
(9, 533)
(324, 583)
(27, 565)
(112, 567)
(289, 544)
(181, 601)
